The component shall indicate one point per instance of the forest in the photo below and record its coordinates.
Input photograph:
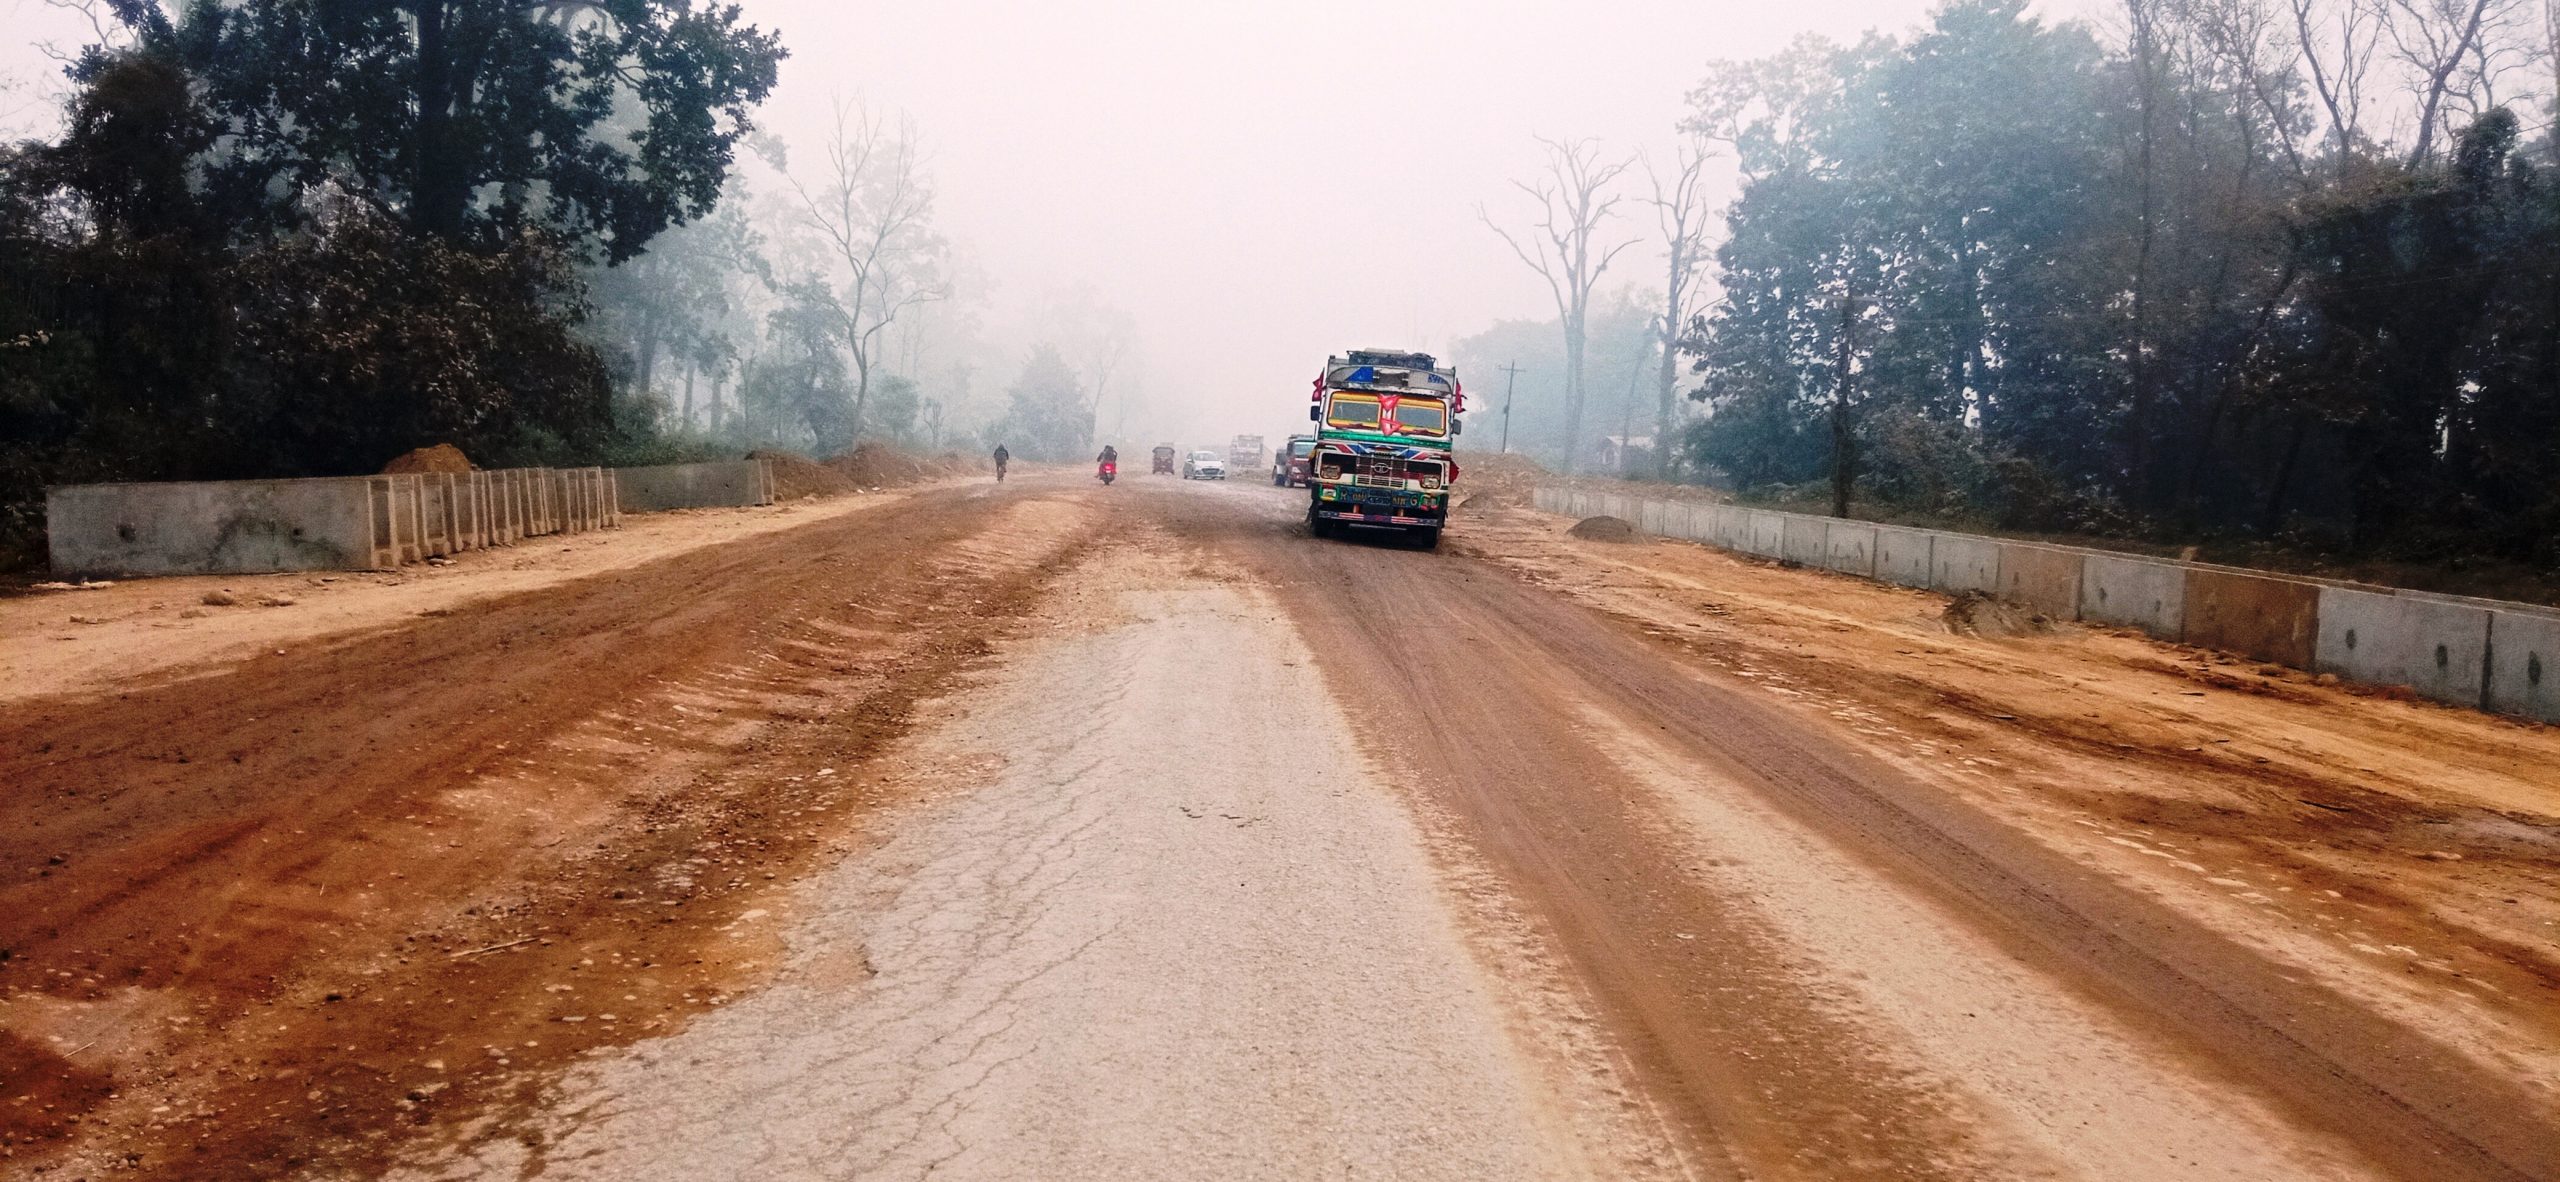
(2288, 268)
(276, 238)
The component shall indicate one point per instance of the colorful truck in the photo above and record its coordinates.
(1384, 423)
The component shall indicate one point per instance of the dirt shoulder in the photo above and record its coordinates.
(61, 642)
(300, 907)
(2403, 853)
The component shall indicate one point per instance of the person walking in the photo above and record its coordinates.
(1001, 456)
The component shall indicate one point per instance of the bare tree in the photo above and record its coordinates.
(2433, 39)
(2338, 81)
(2243, 34)
(1680, 212)
(874, 209)
(1573, 202)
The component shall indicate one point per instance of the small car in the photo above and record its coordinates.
(1204, 465)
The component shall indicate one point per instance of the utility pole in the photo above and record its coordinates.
(1511, 380)
(1841, 459)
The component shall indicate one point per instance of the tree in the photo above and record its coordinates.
(1680, 212)
(600, 122)
(1573, 203)
(874, 209)
(1047, 416)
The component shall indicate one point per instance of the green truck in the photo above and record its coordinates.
(1384, 424)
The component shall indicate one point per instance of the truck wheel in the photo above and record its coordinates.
(1427, 537)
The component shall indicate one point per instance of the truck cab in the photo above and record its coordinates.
(1290, 464)
(1381, 458)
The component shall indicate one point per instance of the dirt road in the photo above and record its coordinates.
(1061, 832)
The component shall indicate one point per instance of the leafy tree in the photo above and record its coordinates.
(473, 121)
(1047, 417)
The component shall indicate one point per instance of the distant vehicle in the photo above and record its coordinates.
(1163, 460)
(1289, 464)
(1204, 465)
(1384, 422)
(1244, 453)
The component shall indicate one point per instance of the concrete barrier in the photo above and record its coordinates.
(2524, 664)
(212, 527)
(1768, 536)
(1905, 556)
(1960, 563)
(2261, 616)
(2046, 578)
(1804, 540)
(1849, 547)
(2439, 649)
(2482, 653)
(2134, 593)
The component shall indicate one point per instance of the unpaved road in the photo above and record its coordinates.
(1052, 831)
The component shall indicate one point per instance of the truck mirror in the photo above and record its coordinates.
(1457, 426)
(1315, 414)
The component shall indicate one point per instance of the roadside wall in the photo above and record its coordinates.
(328, 523)
(2439, 649)
(2487, 654)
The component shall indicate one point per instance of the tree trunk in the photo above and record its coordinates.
(687, 420)
(1573, 342)
(439, 186)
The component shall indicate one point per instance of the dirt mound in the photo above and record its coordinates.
(1498, 479)
(1603, 529)
(797, 477)
(443, 457)
(873, 464)
(1976, 615)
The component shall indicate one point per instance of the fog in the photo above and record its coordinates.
(1259, 185)
(1254, 186)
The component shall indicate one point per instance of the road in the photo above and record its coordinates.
(1054, 831)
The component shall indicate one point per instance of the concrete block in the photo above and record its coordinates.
(2262, 616)
(1959, 563)
(210, 527)
(2439, 649)
(1804, 540)
(1654, 517)
(1733, 528)
(2046, 578)
(1905, 557)
(2134, 593)
(1849, 547)
(2524, 663)
(1698, 523)
(1768, 536)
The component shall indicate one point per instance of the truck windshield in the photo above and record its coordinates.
(1422, 416)
(1302, 448)
(1352, 410)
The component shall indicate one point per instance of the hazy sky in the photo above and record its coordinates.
(1257, 185)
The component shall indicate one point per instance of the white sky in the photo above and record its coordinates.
(1257, 185)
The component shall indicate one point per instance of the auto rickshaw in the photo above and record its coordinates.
(1164, 459)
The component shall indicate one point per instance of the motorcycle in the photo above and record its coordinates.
(1109, 471)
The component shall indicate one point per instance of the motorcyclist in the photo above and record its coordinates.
(1001, 457)
(1110, 455)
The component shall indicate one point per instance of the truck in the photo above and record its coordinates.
(1244, 453)
(1385, 422)
(1289, 461)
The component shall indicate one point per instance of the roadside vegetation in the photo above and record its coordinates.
(2281, 277)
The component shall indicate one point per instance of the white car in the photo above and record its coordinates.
(1204, 465)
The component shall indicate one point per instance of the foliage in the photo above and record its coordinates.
(473, 121)
(1047, 417)
(2141, 300)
